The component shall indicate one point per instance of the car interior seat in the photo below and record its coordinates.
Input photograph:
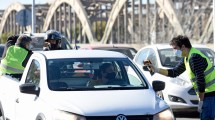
(167, 61)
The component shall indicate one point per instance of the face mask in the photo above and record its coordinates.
(31, 47)
(53, 47)
(178, 53)
(111, 75)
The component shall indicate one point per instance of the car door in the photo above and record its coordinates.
(151, 55)
(8, 95)
(140, 57)
(147, 54)
(27, 104)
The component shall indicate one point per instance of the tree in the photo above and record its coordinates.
(4, 37)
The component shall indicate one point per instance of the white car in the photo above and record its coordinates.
(54, 86)
(178, 92)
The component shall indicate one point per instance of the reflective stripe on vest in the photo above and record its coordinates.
(11, 68)
(205, 73)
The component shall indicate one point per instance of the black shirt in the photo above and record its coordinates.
(198, 65)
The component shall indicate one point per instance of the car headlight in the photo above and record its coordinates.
(164, 115)
(62, 115)
(179, 81)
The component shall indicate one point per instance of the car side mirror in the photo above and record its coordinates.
(158, 85)
(29, 88)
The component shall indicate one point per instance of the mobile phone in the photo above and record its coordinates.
(145, 62)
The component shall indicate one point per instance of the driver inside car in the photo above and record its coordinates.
(105, 75)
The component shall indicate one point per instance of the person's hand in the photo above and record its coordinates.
(150, 66)
(200, 106)
(47, 44)
(153, 68)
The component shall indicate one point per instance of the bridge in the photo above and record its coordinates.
(116, 21)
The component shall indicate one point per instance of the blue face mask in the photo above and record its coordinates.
(31, 47)
(178, 53)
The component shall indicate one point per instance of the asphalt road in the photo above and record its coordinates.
(187, 116)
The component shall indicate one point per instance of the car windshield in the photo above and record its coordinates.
(37, 43)
(168, 58)
(65, 43)
(93, 74)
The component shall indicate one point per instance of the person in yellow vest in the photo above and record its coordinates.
(16, 57)
(200, 71)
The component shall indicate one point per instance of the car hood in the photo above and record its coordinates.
(184, 76)
(107, 102)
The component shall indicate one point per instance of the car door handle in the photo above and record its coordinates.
(17, 100)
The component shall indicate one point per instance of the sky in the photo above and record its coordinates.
(5, 3)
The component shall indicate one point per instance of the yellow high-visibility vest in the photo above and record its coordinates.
(12, 63)
(209, 72)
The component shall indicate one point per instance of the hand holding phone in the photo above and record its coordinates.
(148, 63)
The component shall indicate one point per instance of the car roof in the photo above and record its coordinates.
(166, 45)
(38, 34)
(58, 54)
(104, 46)
(35, 34)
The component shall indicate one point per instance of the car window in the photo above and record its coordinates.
(65, 44)
(33, 75)
(168, 58)
(141, 56)
(152, 57)
(85, 74)
(209, 53)
(37, 43)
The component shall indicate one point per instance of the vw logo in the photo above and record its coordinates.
(121, 117)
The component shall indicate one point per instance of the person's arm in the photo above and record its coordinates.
(11, 40)
(163, 71)
(7, 45)
(176, 71)
(46, 46)
(198, 65)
